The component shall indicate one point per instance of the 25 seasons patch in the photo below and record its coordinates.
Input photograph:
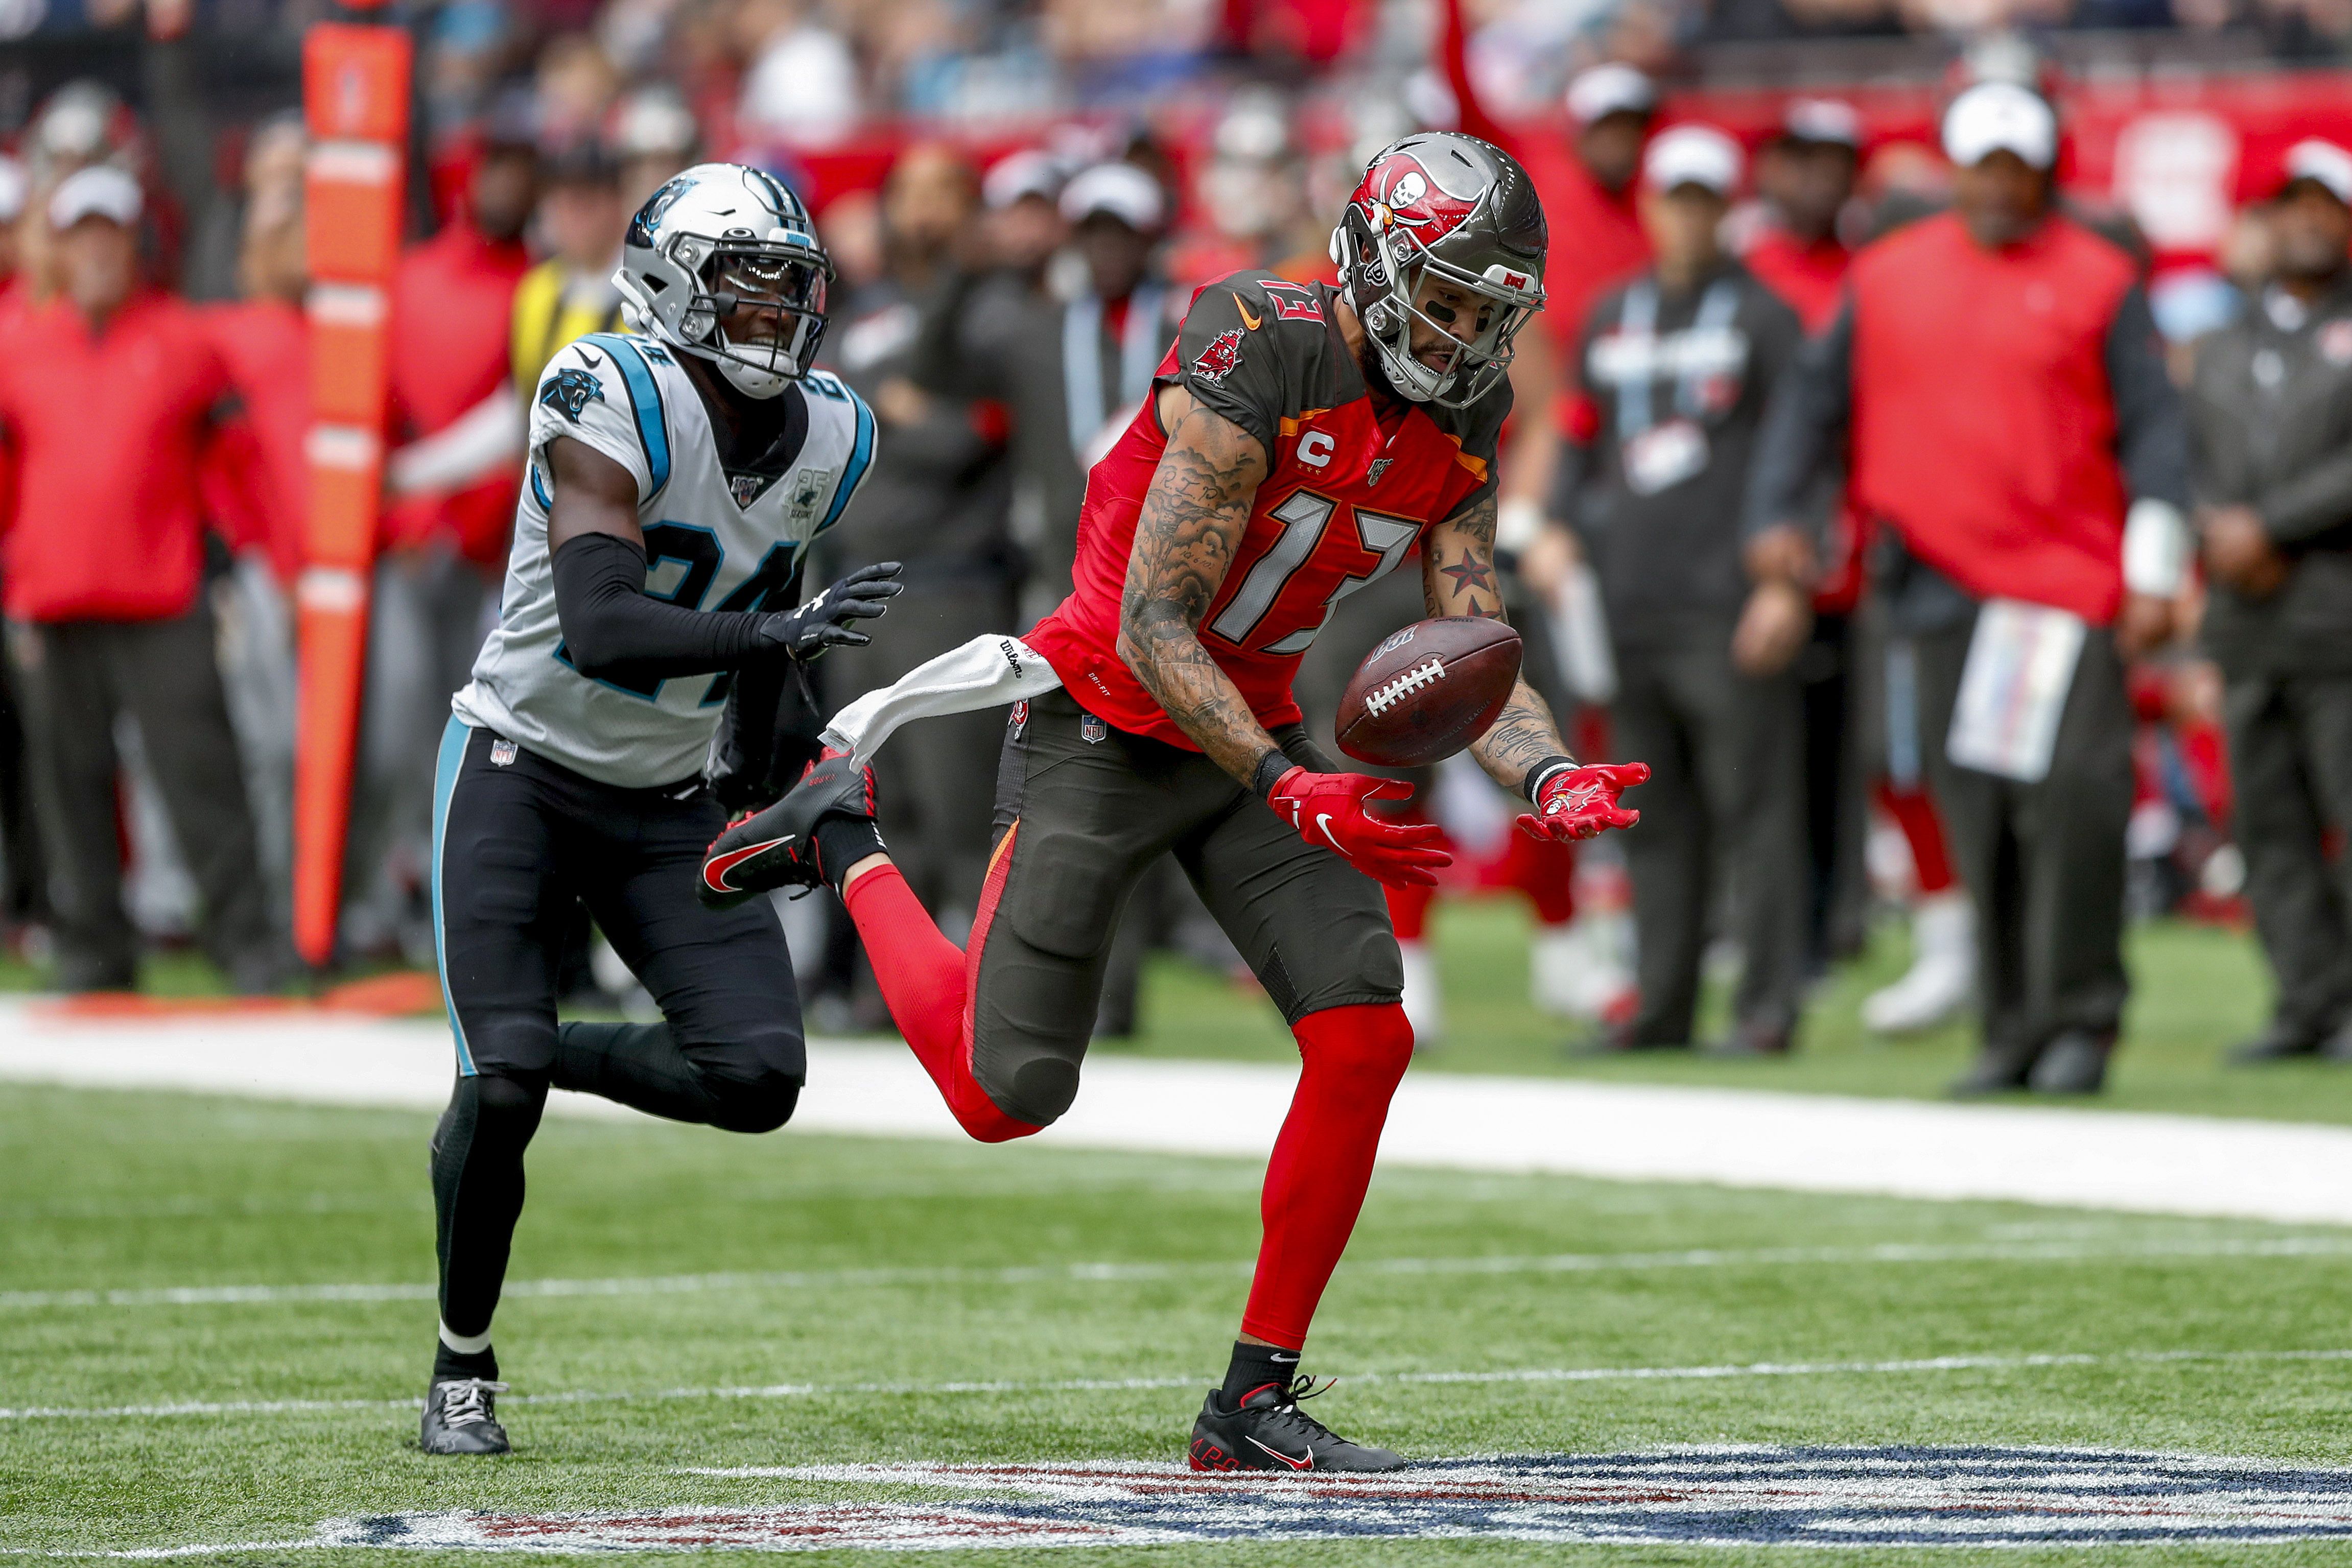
(1714, 1497)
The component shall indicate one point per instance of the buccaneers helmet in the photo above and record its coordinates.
(1443, 204)
(717, 237)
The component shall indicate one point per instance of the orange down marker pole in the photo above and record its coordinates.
(355, 99)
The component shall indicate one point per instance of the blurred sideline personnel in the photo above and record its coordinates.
(2014, 430)
(2269, 408)
(1806, 177)
(25, 894)
(705, 455)
(1300, 440)
(449, 506)
(939, 501)
(111, 394)
(570, 293)
(1678, 367)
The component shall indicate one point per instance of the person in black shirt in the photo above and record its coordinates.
(1679, 364)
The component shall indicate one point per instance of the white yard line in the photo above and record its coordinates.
(2120, 1250)
(2291, 1172)
(1521, 1374)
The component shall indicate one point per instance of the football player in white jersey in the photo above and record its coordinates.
(676, 478)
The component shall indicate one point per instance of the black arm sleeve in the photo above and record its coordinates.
(1804, 428)
(2151, 422)
(611, 627)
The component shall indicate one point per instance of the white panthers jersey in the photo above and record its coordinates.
(709, 545)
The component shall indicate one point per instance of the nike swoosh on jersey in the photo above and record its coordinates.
(1305, 1464)
(590, 355)
(714, 871)
(1248, 319)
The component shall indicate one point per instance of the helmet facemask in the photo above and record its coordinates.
(757, 312)
(1387, 274)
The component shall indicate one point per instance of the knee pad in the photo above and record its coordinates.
(751, 1105)
(1038, 1090)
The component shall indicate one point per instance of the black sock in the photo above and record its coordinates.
(449, 1364)
(842, 842)
(1253, 1366)
(478, 1189)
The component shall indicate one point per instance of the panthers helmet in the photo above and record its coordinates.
(715, 238)
(1444, 205)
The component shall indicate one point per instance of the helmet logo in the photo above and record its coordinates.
(1399, 192)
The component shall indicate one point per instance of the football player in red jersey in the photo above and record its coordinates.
(1301, 439)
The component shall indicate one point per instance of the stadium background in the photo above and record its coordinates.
(121, 1207)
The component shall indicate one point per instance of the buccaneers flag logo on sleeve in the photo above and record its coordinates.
(1221, 358)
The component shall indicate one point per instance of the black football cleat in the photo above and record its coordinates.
(1270, 1432)
(461, 1417)
(763, 850)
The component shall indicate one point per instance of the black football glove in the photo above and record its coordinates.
(821, 622)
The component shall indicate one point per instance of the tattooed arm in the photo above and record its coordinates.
(1192, 518)
(1457, 574)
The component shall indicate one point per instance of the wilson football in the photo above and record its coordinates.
(1428, 691)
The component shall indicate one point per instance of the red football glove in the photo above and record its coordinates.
(1578, 802)
(1327, 809)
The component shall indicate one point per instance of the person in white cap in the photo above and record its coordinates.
(1678, 366)
(109, 395)
(2268, 407)
(2013, 430)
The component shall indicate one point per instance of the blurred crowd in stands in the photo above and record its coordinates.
(1021, 200)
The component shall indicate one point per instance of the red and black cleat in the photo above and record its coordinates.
(1269, 1432)
(763, 850)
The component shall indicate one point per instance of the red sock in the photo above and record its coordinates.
(926, 980)
(1323, 1161)
(1913, 811)
(1409, 910)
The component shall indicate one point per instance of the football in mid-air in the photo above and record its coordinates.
(1428, 691)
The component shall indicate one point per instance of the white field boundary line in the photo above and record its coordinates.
(1523, 1374)
(2295, 1173)
(2121, 1251)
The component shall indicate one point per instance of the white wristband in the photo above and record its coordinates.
(2155, 547)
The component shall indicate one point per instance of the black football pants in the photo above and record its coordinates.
(519, 844)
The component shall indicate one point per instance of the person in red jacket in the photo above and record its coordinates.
(2016, 438)
(109, 394)
(451, 484)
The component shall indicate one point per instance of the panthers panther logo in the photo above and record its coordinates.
(570, 393)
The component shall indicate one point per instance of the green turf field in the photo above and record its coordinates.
(895, 1268)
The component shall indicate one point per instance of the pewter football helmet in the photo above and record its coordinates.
(720, 237)
(1450, 206)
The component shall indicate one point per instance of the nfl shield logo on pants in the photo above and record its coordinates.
(502, 753)
(1091, 729)
(1020, 719)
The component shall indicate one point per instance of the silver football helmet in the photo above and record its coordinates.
(722, 263)
(1450, 206)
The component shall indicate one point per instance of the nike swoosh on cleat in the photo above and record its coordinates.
(1305, 1464)
(715, 870)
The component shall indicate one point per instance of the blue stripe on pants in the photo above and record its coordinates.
(444, 780)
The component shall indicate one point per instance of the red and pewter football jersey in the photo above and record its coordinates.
(1352, 485)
